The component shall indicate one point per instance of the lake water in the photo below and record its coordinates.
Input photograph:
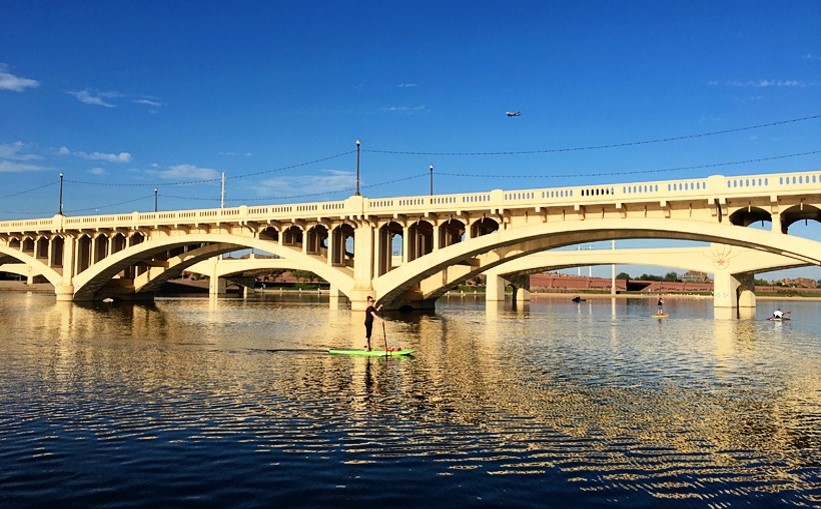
(235, 403)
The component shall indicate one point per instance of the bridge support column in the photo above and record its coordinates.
(746, 291)
(724, 290)
(216, 284)
(521, 288)
(363, 266)
(333, 292)
(65, 289)
(494, 288)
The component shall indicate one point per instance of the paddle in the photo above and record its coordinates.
(385, 337)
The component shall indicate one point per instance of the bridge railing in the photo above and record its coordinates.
(707, 188)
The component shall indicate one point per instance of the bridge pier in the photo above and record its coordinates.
(734, 292)
(521, 288)
(216, 286)
(65, 293)
(494, 288)
(746, 291)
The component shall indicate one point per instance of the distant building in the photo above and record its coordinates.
(798, 282)
(694, 276)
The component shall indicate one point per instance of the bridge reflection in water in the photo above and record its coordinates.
(556, 399)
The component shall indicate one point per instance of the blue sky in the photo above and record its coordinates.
(122, 96)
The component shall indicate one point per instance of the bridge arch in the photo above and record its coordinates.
(38, 267)
(749, 215)
(483, 226)
(89, 282)
(796, 213)
(419, 283)
(340, 235)
(269, 233)
(316, 238)
(293, 235)
(420, 239)
(451, 231)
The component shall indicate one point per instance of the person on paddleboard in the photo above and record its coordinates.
(778, 314)
(370, 316)
(660, 306)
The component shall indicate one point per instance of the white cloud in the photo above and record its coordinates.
(147, 101)
(14, 151)
(97, 171)
(232, 154)
(403, 109)
(330, 181)
(122, 157)
(17, 167)
(407, 85)
(769, 83)
(9, 81)
(105, 99)
(186, 172)
(100, 99)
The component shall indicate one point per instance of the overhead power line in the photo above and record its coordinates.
(206, 181)
(576, 174)
(597, 147)
(18, 193)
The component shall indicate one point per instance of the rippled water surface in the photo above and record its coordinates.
(229, 403)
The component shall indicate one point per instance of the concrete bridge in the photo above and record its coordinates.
(444, 240)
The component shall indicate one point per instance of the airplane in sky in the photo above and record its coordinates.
(514, 113)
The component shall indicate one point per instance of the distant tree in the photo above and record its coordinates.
(275, 274)
(624, 275)
(762, 282)
(818, 284)
(650, 277)
(671, 276)
(304, 275)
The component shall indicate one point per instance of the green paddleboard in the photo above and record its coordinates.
(370, 353)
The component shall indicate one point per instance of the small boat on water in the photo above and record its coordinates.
(781, 317)
(578, 299)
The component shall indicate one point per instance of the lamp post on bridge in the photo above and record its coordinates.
(155, 198)
(431, 180)
(357, 168)
(60, 205)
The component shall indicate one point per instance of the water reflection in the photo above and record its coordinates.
(597, 400)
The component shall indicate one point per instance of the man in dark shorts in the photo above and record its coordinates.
(370, 316)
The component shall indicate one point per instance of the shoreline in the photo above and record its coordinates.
(47, 288)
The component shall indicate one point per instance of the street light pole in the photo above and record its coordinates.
(60, 205)
(431, 180)
(357, 167)
(155, 198)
